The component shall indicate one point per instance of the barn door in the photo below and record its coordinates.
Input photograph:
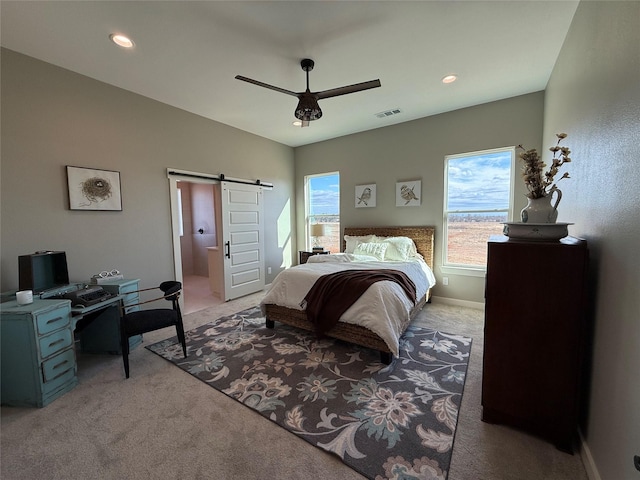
(243, 244)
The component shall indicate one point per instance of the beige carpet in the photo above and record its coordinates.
(163, 423)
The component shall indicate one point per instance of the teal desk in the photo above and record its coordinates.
(38, 342)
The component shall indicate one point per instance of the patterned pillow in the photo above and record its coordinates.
(371, 248)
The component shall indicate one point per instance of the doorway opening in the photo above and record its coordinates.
(199, 234)
(195, 233)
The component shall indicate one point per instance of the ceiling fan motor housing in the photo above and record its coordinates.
(307, 64)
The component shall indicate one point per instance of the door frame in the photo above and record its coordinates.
(175, 175)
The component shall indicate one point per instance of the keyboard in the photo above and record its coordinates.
(87, 296)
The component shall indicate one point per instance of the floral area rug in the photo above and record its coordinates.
(393, 421)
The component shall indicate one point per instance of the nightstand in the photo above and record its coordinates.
(304, 256)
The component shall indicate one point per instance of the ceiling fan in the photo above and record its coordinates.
(308, 108)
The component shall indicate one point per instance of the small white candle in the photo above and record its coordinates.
(24, 297)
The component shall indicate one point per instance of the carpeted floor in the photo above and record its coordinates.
(161, 423)
(383, 421)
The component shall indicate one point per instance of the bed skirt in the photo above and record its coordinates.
(342, 331)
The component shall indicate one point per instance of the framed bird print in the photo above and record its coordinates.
(408, 193)
(366, 195)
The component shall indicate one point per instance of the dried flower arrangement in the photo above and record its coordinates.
(538, 184)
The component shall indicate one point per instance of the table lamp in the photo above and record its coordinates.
(317, 230)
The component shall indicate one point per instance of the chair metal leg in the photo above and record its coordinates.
(125, 359)
(124, 346)
(181, 337)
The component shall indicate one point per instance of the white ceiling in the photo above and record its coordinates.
(188, 53)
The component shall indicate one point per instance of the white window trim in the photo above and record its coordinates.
(471, 270)
(467, 271)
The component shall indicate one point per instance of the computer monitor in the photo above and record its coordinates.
(43, 271)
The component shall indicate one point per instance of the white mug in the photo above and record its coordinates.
(24, 297)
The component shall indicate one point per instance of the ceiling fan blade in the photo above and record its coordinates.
(358, 87)
(266, 85)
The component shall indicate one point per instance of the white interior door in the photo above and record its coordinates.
(242, 239)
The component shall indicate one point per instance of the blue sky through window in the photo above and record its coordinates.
(479, 182)
(324, 193)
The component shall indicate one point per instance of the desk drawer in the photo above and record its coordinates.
(135, 308)
(59, 365)
(53, 320)
(55, 342)
(64, 382)
(130, 287)
(128, 299)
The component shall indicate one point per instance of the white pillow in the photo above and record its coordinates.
(399, 249)
(361, 258)
(371, 248)
(352, 241)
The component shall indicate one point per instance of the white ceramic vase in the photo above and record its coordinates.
(541, 210)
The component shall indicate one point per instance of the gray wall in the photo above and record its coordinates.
(52, 117)
(594, 96)
(415, 151)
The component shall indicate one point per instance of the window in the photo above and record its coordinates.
(478, 196)
(322, 202)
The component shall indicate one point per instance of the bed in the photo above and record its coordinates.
(282, 301)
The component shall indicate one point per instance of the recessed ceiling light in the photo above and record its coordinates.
(121, 40)
(449, 79)
(297, 123)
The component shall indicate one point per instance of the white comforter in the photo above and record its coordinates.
(384, 308)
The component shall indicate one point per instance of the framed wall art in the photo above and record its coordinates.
(408, 193)
(366, 195)
(93, 189)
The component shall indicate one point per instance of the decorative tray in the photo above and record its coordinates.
(536, 231)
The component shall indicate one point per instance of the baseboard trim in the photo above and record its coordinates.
(587, 459)
(458, 303)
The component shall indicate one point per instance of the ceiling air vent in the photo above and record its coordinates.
(388, 113)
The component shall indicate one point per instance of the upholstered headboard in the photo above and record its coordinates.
(421, 236)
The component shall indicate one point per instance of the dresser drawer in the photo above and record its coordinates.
(53, 320)
(50, 344)
(59, 365)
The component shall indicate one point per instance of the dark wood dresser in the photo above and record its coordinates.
(535, 326)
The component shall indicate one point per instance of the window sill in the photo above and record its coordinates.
(465, 271)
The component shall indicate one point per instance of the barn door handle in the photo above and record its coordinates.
(227, 248)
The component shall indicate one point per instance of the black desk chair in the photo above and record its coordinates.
(143, 321)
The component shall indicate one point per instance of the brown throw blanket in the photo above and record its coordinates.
(334, 293)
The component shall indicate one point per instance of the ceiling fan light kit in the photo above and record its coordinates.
(308, 108)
